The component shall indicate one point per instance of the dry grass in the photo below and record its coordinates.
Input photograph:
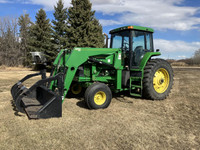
(6, 68)
(128, 123)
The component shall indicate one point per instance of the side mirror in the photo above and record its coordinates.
(157, 50)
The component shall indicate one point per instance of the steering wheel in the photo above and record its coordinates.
(125, 46)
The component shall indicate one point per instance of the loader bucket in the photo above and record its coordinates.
(41, 103)
(18, 88)
(38, 101)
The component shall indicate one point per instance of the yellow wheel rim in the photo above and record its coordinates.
(100, 98)
(76, 89)
(161, 80)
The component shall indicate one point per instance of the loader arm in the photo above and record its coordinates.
(69, 63)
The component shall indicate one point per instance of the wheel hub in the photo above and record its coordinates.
(100, 98)
(161, 80)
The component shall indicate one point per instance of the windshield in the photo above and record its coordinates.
(121, 40)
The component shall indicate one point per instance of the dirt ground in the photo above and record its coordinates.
(128, 123)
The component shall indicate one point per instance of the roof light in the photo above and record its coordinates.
(130, 27)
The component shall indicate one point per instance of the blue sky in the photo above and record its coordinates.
(176, 22)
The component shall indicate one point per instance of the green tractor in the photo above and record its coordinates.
(98, 72)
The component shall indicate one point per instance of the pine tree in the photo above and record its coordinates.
(41, 36)
(60, 26)
(97, 37)
(84, 29)
(24, 23)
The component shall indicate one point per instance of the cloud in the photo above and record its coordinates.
(102, 2)
(159, 14)
(180, 49)
(108, 22)
(176, 46)
(47, 4)
(6, 1)
(182, 57)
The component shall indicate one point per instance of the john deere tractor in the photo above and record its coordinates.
(128, 65)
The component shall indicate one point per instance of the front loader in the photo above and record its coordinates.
(98, 72)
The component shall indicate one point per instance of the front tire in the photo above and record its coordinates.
(97, 96)
(158, 79)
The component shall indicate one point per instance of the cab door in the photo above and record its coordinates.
(141, 43)
(122, 40)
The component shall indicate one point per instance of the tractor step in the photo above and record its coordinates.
(136, 95)
(136, 86)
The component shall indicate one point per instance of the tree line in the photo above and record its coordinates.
(71, 27)
(193, 61)
(196, 58)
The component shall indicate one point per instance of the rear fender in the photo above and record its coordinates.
(146, 58)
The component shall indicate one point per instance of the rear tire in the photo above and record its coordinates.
(158, 79)
(97, 96)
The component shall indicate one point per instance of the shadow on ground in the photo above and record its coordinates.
(121, 97)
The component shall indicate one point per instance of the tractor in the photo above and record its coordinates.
(96, 73)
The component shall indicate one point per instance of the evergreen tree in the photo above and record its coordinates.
(96, 35)
(24, 23)
(84, 29)
(41, 36)
(60, 26)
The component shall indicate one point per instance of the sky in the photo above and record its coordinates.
(176, 22)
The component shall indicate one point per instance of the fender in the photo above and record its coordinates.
(146, 58)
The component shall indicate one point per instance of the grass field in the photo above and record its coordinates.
(128, 123)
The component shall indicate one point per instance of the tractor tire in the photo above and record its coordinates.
(158, 79)
(98, 96)
(76, 90)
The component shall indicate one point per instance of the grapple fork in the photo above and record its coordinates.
(39, 101)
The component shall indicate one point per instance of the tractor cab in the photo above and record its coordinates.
(134, 41)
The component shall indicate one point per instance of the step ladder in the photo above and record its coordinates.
(136, 86)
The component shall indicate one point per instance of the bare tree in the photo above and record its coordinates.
(196, 58)
(25, 23)
(10, 54)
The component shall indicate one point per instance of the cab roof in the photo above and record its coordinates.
(132, 27)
